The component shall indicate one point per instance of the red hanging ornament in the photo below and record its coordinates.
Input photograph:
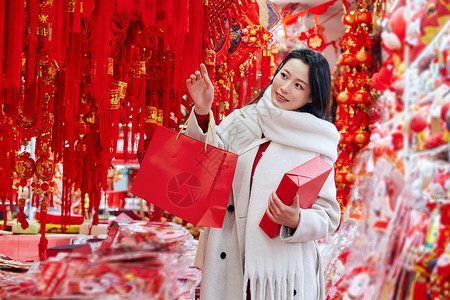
(361, 137)
(364, 58)
(344, 97)
(43, 242)
(346, 59)
(24, 165)
(361, 97)
(348, 19)
(345, 176)
(45, 168)
(363, 17)
(346, 140)
(21, 216)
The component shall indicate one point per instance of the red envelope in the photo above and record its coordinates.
(306, 180)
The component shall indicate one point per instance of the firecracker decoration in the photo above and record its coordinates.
(353, 93)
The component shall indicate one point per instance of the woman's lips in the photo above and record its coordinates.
(281, 98)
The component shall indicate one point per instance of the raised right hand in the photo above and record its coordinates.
(201, 90)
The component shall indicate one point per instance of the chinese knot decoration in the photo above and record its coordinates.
(236, 44)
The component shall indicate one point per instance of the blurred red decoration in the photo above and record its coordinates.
(419, 120)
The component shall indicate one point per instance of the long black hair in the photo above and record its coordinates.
(319, 82)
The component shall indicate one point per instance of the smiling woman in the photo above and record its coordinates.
(308, 73)
(290, 87)
(288, 122)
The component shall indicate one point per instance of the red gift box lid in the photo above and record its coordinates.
(308, 178)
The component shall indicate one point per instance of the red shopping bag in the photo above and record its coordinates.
(185, 177)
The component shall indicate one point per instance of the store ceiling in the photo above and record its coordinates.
(331, 20)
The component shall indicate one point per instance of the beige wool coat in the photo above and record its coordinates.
(223, 249)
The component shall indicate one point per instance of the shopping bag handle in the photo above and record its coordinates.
(207, 133)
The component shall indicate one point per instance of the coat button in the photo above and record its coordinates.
(295, 293)
(223, 255)
(230, 208)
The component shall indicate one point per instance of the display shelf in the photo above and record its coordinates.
(432, 151)
(431, 46)
(416, 93)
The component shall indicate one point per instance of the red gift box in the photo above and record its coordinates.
(306, 180)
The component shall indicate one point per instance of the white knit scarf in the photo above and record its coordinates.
(271, 265)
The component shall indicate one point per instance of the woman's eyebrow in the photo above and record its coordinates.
(287, 71)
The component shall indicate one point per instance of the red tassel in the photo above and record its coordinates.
(253, 77)
(142, 98)
(148, 8)
(76, 28)
(241, 86)
(231, 96)
(43, 242)
(166, 89)
(39, 103)
(4, 212)
(2, 37)
(8, 147)
(59, 31)
(12, 55)
(101, 39)
(248, 92)
(265, 68)
(21, 216)
(72, 85)
(58, 112)
(31, 61)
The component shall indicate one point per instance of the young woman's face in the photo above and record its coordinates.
(290, 87)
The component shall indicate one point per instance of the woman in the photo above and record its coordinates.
(284, 127)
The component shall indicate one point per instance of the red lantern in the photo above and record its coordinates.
(45, 168)
(363, 17)
(81, 127)
(362, 57)
(361, 97)
(345, 138)
(346, 59)
(361, 137)
(348, 19)
(345, 176)
(344, 97)
(24, 166)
